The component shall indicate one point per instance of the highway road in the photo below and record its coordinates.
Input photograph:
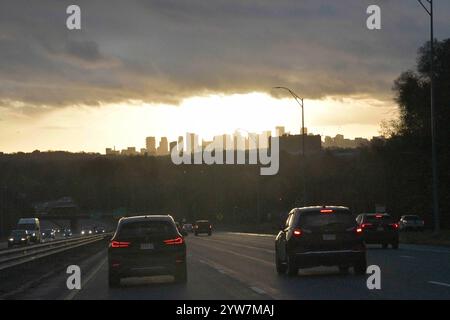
(237, 266)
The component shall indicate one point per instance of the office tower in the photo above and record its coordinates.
(279, 131)
(150, 143)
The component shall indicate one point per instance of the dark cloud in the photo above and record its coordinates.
(165, 50)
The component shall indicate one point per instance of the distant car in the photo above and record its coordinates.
(19, 237)
(145, 246)
(48, 234)
(379, 228)
(411, 222)
(188, 227)
(320, 236)
(87, 232)
(66, 233)
(202, 226)
(100, 230)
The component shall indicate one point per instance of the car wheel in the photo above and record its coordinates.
(385, 245)
(291, 268)
(361, 266)
(394, 245)
(281, 268)
(343, 269)
(181, 274)
(113, 280)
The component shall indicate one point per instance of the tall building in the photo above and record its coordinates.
(172, 145)
(150, 143)
(279, 131)
(163, 148)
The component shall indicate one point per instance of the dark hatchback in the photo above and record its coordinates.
(20, 237)
(320, 236)
(202, 226)
(379, 228)
(147, 246)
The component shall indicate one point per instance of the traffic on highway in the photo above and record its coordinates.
(225, 159)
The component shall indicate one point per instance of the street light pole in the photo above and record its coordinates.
(302, 132)
(435, 181)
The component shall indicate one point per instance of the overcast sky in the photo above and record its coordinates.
(165, 51)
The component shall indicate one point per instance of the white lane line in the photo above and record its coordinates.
(258, 290)
(243, 246)
(271, 264)
(74, 292)
(440, 283)
(407, 257)
(253, 234)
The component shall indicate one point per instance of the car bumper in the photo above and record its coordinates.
(328, 258)
(135, 268)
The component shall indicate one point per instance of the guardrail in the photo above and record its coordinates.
(13, 257)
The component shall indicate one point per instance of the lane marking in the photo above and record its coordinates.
(258, 290)
(440, 283)
(253, 234)
(73, 293)
(271, 264)
(243, 246)
(240, 278)
(408, 257)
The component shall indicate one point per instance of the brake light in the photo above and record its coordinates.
(394, 225)
(378, 216)
(297, 232)
(119, 244)
(178, 240)
(365, 225)
(326, 211)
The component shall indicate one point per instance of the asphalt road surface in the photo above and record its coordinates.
(237, 266)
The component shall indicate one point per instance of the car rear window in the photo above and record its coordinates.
(317, 219)
(375, 219)
(413, 218)
(144, 229)
(203, 223)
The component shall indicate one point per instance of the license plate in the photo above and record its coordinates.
(329, 237)
(147, 246)
(380, 229)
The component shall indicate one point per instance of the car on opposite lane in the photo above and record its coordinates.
(202, 226)
(378, 228)
(145, 246)
(48, 234)
(19, 237)
(411, 222)
(320, 236)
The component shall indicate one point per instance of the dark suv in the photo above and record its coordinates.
(378, 228)
(320, 236)
(202, 226)
(146, 246)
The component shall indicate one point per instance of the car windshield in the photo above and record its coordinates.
(143, 229)
(26, 226)
(18, 233)
(316, 219)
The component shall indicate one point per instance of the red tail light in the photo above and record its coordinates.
(326, 211)
(378, 216)
(297, 232)
(120, 244)
(178, 240)
(394, 225)
(365, 225)
(359, 230)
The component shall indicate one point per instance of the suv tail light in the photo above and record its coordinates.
(119, 244)
(178, 240)
(297, 232)
(394, 225)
